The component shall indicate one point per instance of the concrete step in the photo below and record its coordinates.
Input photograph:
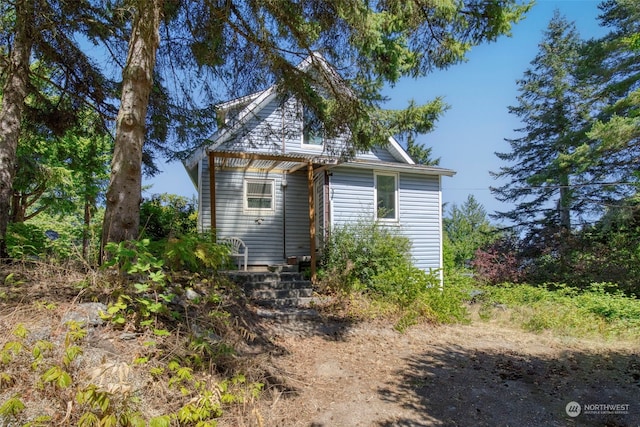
(269, 294)
(274, 289)
(262, 276)
(251, 286)
(291, 277)
(288, 314)
(301, 302)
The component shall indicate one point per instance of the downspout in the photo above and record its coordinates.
(441, 261)
(283, 184)
(212, 192)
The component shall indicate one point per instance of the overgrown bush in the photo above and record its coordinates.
(47, 379)
(498, 262)
(403, 283)
(608, 251)
(44, 238)
(25, 240)
(372, 261)
(164, 216)
(195, 252)
(356, 253)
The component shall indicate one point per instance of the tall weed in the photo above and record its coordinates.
(600, 310)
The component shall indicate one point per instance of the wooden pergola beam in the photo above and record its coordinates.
(312, 220)
(259, 156)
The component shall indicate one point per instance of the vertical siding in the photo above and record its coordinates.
(352, 199)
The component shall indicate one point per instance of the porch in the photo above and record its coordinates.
(288, 220)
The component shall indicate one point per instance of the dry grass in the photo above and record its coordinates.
(351, 367)
(210, 351)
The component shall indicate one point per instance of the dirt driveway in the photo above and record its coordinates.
(461, 375)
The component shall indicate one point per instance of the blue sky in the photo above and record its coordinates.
(478, 92)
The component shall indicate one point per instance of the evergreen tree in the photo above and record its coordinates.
(468, 228)
(543, 182)
(612, 65)
(420, 153)
(248, 45)
(38, 44)
(14, 92)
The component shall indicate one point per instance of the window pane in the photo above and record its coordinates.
(259, 188)
(259, 194)
(258, 203)
(312, 128)
(386, 189)
(312, 139)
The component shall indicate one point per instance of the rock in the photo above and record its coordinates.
(87, 313)
(127, 336)
(192, 295)
(474, 295)
(206, 334)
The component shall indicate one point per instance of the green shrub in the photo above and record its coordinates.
(606, 301)
(25, 240)
(375, 261)
(403, 283)
(195, 252)
(165, 216)
(45, 238)
(356, 253)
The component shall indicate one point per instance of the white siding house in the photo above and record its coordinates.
(281, 191)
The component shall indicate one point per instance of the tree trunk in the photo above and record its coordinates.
(122, 215)
(564, 207)
(12, 108)
(86, 229)
(564, 203)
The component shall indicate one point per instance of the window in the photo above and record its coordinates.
(312, 128)
(386, 197)
(258, 194)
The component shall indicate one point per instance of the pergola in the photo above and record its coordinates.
(284, 163)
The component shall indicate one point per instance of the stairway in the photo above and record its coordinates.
(275, 290)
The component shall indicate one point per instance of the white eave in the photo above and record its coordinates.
(399, 167)
(398, 152)
(225, 133)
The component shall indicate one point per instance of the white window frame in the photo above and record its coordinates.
(245, 195)
(396, 197)
(303, 143)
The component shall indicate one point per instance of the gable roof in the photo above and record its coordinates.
(255, 102)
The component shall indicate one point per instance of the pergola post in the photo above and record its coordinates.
(312, 220)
